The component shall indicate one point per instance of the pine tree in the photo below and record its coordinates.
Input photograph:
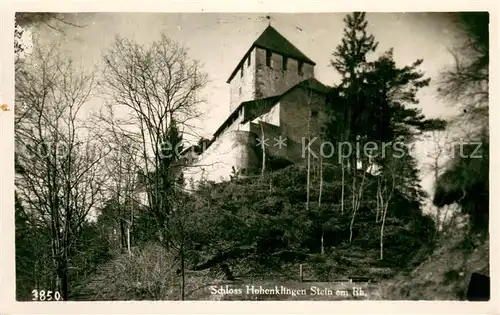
(388, 92)
(350, 61)
(371, 103)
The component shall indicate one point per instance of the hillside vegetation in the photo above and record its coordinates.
(112, 218)
(259, 229)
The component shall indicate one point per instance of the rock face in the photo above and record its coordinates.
(273, 96)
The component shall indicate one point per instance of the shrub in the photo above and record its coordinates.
(149, 274)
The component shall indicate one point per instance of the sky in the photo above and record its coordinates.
(219, 41)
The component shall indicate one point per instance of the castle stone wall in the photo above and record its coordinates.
(294, 116)
(273, 80)
(242, 88)
(233, 149)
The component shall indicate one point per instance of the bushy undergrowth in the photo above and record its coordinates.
(150, 273)
(260, 228)
(261, 224)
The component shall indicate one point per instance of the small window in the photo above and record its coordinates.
(240, 90)
(249, 58)
(241, 73)
(268, 58)
(301, 67)
(314, 113)
(285, 61)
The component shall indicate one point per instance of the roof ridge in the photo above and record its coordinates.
(274, 35)
(274, 41)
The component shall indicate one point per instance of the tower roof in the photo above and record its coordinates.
(272, 40)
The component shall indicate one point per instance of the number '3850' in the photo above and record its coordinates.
(43, 295)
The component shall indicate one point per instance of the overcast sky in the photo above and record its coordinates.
(219, 41)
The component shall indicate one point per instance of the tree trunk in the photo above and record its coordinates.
(319, 200)
(379, 199)
(357, 203)
(308, 183)
(343, 187)
(353, 200)
(262, 143)
(308, 180)
(382, 231)
(123, 236)
(438, 209)
(183, 276)
(128, 242)
(63, 276)
(320, 180)
(384, 215)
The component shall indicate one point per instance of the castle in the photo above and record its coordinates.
(275, 106)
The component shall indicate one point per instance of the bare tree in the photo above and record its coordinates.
(263, 145)
(320, 194)
(466, 82)
(154, 90)
(386, 185)
(308, 178)
(62, 176)
(357, 194)
(389, 185)
(122, 165)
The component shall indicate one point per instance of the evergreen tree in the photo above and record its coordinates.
(350, 61)
(373, 103)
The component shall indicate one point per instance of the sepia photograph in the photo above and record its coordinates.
(252, 156)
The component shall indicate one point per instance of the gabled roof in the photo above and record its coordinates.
(309, 84)
(313, 84)
(261, 106)
(272, 40)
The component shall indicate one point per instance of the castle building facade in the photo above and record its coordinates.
(276, 106)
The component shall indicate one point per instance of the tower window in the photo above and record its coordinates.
(285, 61)
(241, 73)
(249, 58)
(240, 90)
(301, 67)
(268, 58)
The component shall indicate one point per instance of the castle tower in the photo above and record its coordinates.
(270, 67)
